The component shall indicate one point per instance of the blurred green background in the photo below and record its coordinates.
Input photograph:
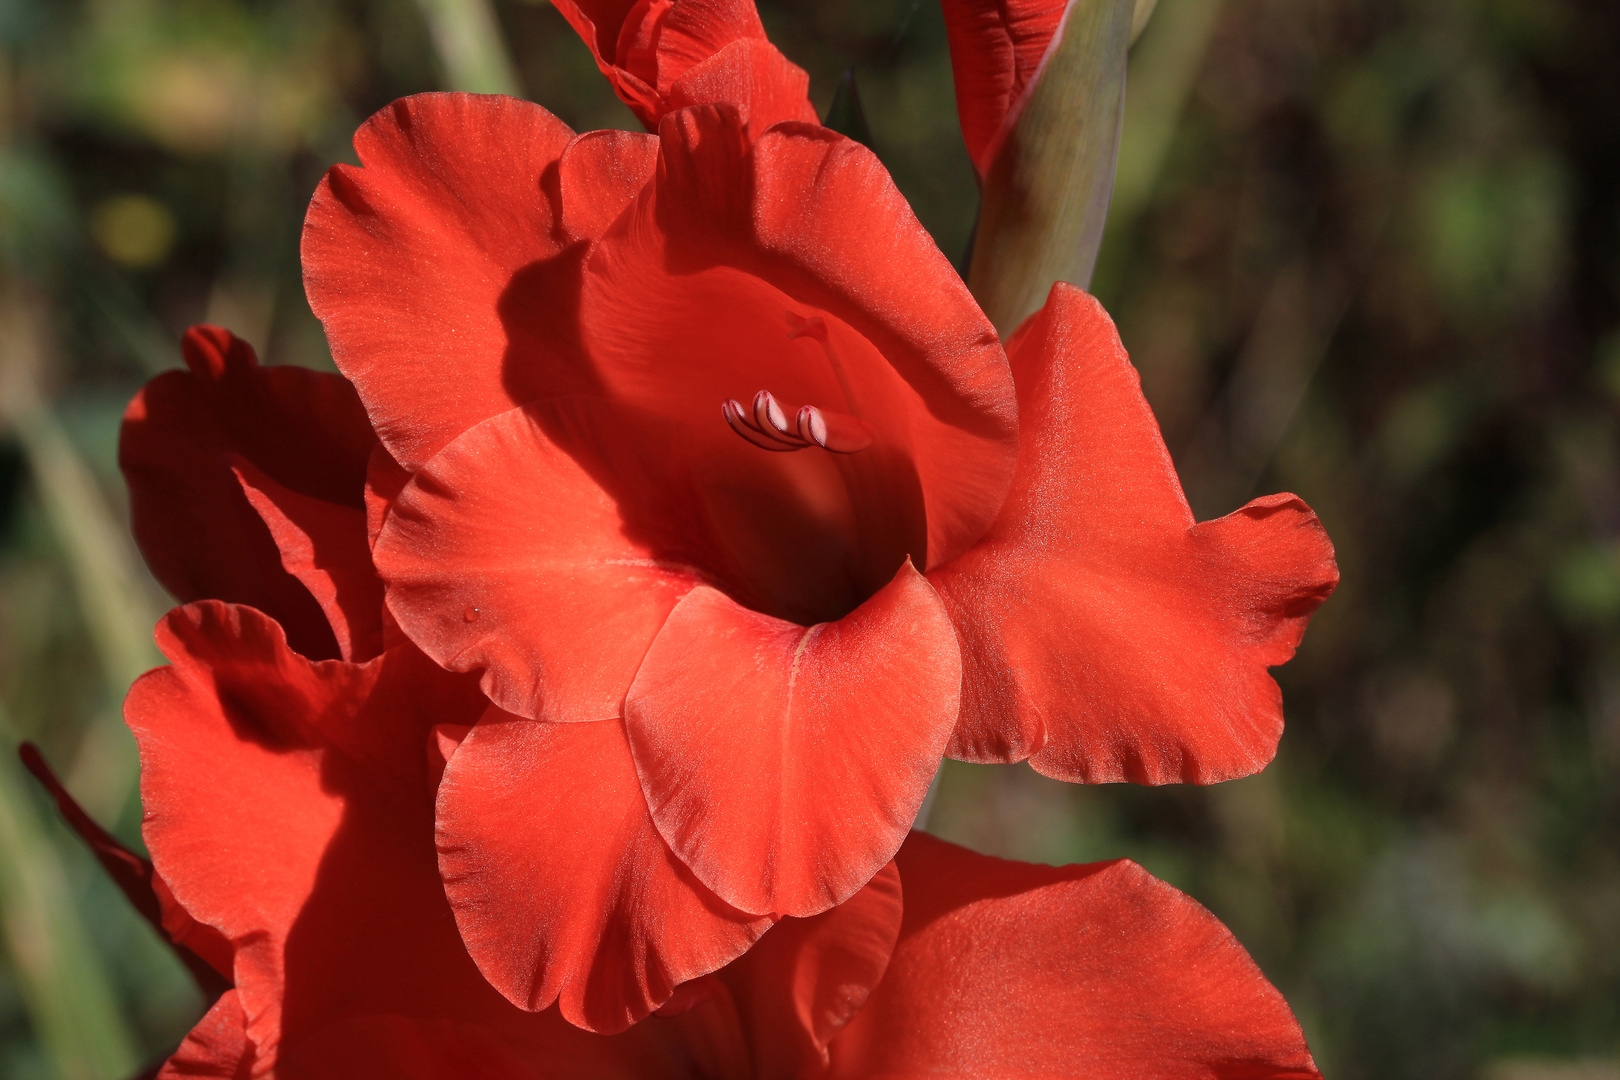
(1364, 250)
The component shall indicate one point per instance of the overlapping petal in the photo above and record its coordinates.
(323, 545)
(1012, 969)
(562, 888)
(303, 429)
(217, 1048)
(505, 554)
(661, 55)
(997, 50)
(786, 764)
(1105, 635)
(807, 978)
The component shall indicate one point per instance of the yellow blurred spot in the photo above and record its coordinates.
(134, 230)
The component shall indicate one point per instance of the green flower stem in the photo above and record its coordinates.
(471, 52)
(1046, 194)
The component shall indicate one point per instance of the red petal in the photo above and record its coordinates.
(807, 978)
(287, 805)
(786, 764)
(661, 56)
(505, 554)
(1010, 969)
(323, 545)
(407, 260)
(218, 1048)
(997, 49)
(598, 23)
(598, 175)
(562, 889)
(305, 429)
(384, 481)
(749, 72)
(661, 41)
(1105, 636)
(541, 1048)
(806, 225)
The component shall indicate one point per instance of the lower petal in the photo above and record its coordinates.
(807, 978)
(1012, 969)
(786, 764)
(562, 888)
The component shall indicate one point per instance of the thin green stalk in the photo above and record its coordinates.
(118, 611)
(467, 38)
(1162, 70)
(64, 986)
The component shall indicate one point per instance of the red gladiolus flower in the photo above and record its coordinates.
(289, 805)
(998, 48)
(707, 461)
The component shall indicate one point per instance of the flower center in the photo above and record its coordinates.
(767, 426)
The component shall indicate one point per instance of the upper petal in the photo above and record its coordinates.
(407, 257)
(786, 764)
(1011, 969)
(561, 886)
(748, 72)
(1105, 635)
(997, 49)
(304, 429)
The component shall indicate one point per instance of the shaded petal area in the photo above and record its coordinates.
(396, 1047)
(217, 1048)
(785, 764)
(324, 546)
(505, 554)
(304, 429)
(1105, 635)
(806, 979)
(561, 886)
(1012, 969)
(997, 50)
(287, 806)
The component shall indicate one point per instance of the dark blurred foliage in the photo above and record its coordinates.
(1364, 250)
